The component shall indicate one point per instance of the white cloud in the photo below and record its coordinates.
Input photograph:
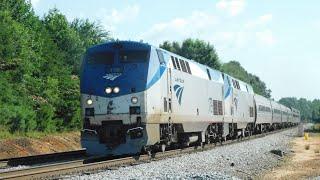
(110, 19)
(233, 7)
(129, 13)
(34, 2)
(258, 27)
(196, 25)
(227, 38)
(260, 21)
(266, 37)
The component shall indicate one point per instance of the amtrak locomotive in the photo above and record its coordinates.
(136, 97)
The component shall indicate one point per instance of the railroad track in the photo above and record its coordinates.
(80, 166)
(43, 158)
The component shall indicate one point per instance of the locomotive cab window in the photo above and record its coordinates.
(160, 56)
(101, 58)
(128, 56)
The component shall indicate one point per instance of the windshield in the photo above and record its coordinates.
(128, 56)
(104, 57)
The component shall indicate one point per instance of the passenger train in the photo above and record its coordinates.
(137, 97)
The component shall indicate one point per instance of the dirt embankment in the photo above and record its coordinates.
(24, 146)
(303, 163)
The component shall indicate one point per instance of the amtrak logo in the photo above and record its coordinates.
(111, 76)
(178, 90)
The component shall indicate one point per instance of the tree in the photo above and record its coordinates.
(195, 49)
(316, 110)
(309, 110)
(235, 69)
(205, 53)
(90, 33)
(39, 67)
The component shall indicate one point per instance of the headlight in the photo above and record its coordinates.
(89, 101)
(116, 90)
(134, 100)
(108, 90)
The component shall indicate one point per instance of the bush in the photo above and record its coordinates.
(39, 68)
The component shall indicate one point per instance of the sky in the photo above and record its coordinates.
(276, 40)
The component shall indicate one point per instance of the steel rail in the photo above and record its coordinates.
(43, 158)
(74, 167)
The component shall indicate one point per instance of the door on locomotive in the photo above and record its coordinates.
(166, 126)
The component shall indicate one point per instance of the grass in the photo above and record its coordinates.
(5, 134)
(34, 134)
(315, 128)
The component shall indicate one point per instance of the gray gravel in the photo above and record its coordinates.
(13, 168)
(242, 160)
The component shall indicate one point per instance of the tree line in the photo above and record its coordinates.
(39, 67)
(205, 53)
(40, 59)
(309, 110)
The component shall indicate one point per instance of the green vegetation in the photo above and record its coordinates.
(195, 49)
(204, 53)
(309, 110)
(234, 69)
(4, 134)
(39, 68)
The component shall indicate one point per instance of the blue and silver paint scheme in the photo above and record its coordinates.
(133, 79)
(114, 124)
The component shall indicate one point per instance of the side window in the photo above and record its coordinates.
(251, 111)
(165, 106)
(188, 67)
(183, 67)
(177, 63)
(173, 62)
(160, 56)
(209, 76)
(260, 108)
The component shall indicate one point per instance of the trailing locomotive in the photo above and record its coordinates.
(136, 97)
